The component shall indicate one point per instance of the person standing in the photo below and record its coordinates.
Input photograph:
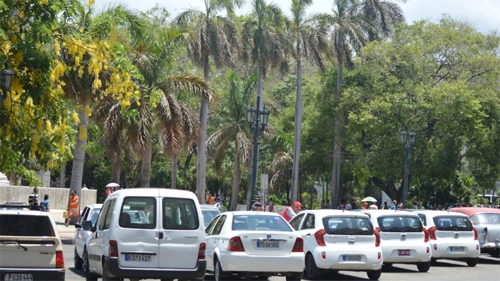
(33, 198)
(394, 205)
(385, 207)
(73, 209)
(354, 204)
(291, 211)
(342, 204)
(45, 203)
(210, 199)
(271, 205)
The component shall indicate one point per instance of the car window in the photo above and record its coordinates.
(179, 213)
(94, 215)
(210, 227)
(400, 224)
(83, 216)
(485, 219)
(348, 226)
(260, 222)
(25, 225)
(295, 222)
(104, 220)
(138, 212)
(209, 215)
(452, 224)
(308, 222)
(423, 219)
(218, 225)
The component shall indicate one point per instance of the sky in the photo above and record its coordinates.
(482, 14)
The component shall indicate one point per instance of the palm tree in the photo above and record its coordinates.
(212, 37)
(309, 42)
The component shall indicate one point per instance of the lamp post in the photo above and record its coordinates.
(257, 119)
(407, 140)
(6, 76)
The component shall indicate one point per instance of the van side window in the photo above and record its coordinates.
(179, 213)
(105, 217)
(138, 212)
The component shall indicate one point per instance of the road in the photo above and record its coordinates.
(445, 270)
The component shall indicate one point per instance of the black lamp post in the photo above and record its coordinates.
(407, 140)
(257, 119)
(6, 76)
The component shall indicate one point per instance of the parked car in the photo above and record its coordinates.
(250, 243)
(147, 233)
(11, 205)
(30, 247)
(210, 211)
(487, 223)
(89, 213)
(336, 240)
(451, 236)
(403, 238)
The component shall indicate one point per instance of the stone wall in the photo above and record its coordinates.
(58, 197)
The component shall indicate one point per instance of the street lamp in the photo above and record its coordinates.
(407, 140)
(257, 119)
(6, 76)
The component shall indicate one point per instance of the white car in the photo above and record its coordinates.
(89, 213)
(336, 240)
(250, 243)
(403, 238)
(451, 236)
(210, 211)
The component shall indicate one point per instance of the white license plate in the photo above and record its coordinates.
(137, 257)
(457, 249)
(268, 244)
(18, 277)
(351, 257)
(403, 252)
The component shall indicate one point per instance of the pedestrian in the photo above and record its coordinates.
(84, 187)
(365, 205)
(33, 198)
(394, 205)
(291, 211)
(348, 206)
(210, 199)
(271, 205)
(73, 209)
(257, 206)
(385, 207)
(354, 205)
(342, 204)
(108, 192)
(45, 204)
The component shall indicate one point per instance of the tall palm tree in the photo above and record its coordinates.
(309, 43)
(212, 37)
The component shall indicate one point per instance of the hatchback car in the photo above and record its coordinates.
(30, 247)
(451, 236)
(336, 240)
(250, 243)
(89, 213)
(487, 223)
(403, 238)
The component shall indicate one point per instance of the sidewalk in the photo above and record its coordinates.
(67, 233)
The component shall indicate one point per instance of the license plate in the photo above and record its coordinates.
(137, 257)
(403, 252)
(457, 249)
(18, 277)
(268, 244)
(351, 257)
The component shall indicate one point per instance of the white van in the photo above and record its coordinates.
(147, 233)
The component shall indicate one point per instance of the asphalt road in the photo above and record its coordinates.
(487, 269)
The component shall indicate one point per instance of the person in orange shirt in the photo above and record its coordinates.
(73, 209)
(210, 199)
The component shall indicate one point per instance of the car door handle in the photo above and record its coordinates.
(160, 235)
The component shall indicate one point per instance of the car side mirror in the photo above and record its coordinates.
(87, 225)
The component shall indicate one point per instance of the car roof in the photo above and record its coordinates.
(440, 213)
(328, 212)
(94, 206)
(474, 210)
(378, 213)
(153, 192)
(25, 212)
(253, 213)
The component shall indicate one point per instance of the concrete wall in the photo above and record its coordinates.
(58, 197)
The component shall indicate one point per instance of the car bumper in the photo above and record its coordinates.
(114, 270)
(37, 274)
(241, 262)
(417, 254)
(491, 245)
(445, 250)
(335, 259)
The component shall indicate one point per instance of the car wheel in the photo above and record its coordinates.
(472, 262)
(495, 253)
(77, 260)
(424, 266)
(312, 271)
(219, 274)
(296, 276)
(86, 268)
(374, 274)
(389, 264)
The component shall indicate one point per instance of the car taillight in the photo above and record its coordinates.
(379, 256)
(201, 251)
(235, 245)
(59, 259)
(299, 245)
(113, 248)
(426, 235)
(319, 237)
(432, 233)
(377, 238)
(475, 233)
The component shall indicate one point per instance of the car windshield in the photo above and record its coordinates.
(25, 225)
(348, 226)
(485, 219)
(94, 215)
(452, 224)
(400, 224)
(256, 222)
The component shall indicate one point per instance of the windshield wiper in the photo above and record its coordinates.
(15, 243)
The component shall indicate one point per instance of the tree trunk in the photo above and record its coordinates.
(236, 182)
(146, 163)
(201, 167)
(174, 172)
(62, 177)
(337, 140)
(298, 128)
(79, 153)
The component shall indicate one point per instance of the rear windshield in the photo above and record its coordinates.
(256, 222)
(180, 213)
(138, 212)
(400, 224)
(25, 225)
(348, 226)
(485, 219)
(452, 224)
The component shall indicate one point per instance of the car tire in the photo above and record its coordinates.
(374, 274)
(388, 264)
(77, 260)
(424, 266)
(296, 276)
(495, 253)
(86, 268)
(472, 262)
(312, 271)
(219, 274)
